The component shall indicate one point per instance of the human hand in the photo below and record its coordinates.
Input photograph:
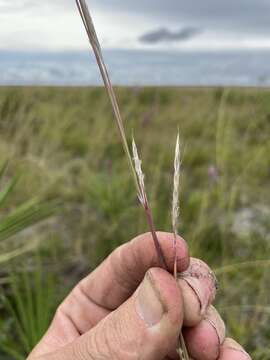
(130, 309)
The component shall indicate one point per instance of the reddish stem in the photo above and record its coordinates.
(150, 220)
(175, 258)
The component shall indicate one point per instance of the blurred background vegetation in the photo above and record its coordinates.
(65, 163)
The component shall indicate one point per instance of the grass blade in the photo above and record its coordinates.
(25, 216)
(7, 190)
(3, 168)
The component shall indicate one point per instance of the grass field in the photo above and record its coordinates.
(64, 144)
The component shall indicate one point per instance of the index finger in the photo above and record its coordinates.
(115, 280)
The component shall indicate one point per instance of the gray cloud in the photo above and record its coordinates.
(230, 16)
(244, 16)
(164, 35)
(240, 21)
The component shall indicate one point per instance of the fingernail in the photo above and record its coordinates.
(233, 345)
(203, 282)
(214, 319)
(148, 304)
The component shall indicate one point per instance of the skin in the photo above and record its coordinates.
(128, 308)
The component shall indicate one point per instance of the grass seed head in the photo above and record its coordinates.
(176, 187)
(140, 174)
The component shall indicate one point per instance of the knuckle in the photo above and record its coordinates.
(59, 312)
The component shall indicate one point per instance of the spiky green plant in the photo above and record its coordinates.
(29, 303)
(28, 300)
(20, 218)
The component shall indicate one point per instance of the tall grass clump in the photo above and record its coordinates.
(27, 305)
(29, 302)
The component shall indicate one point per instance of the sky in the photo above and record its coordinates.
(188, 25)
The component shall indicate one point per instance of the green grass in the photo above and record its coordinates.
(29, 306)
(65, 144)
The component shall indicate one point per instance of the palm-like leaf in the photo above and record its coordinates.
(22, 217)
(25, 216)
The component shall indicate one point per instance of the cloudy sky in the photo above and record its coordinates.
(208, 24)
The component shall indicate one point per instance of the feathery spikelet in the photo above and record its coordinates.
(182, 351)
(144, 201)
(140, 175)
(175, 201)
(176, 187)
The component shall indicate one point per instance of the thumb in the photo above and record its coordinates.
(146, 326)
